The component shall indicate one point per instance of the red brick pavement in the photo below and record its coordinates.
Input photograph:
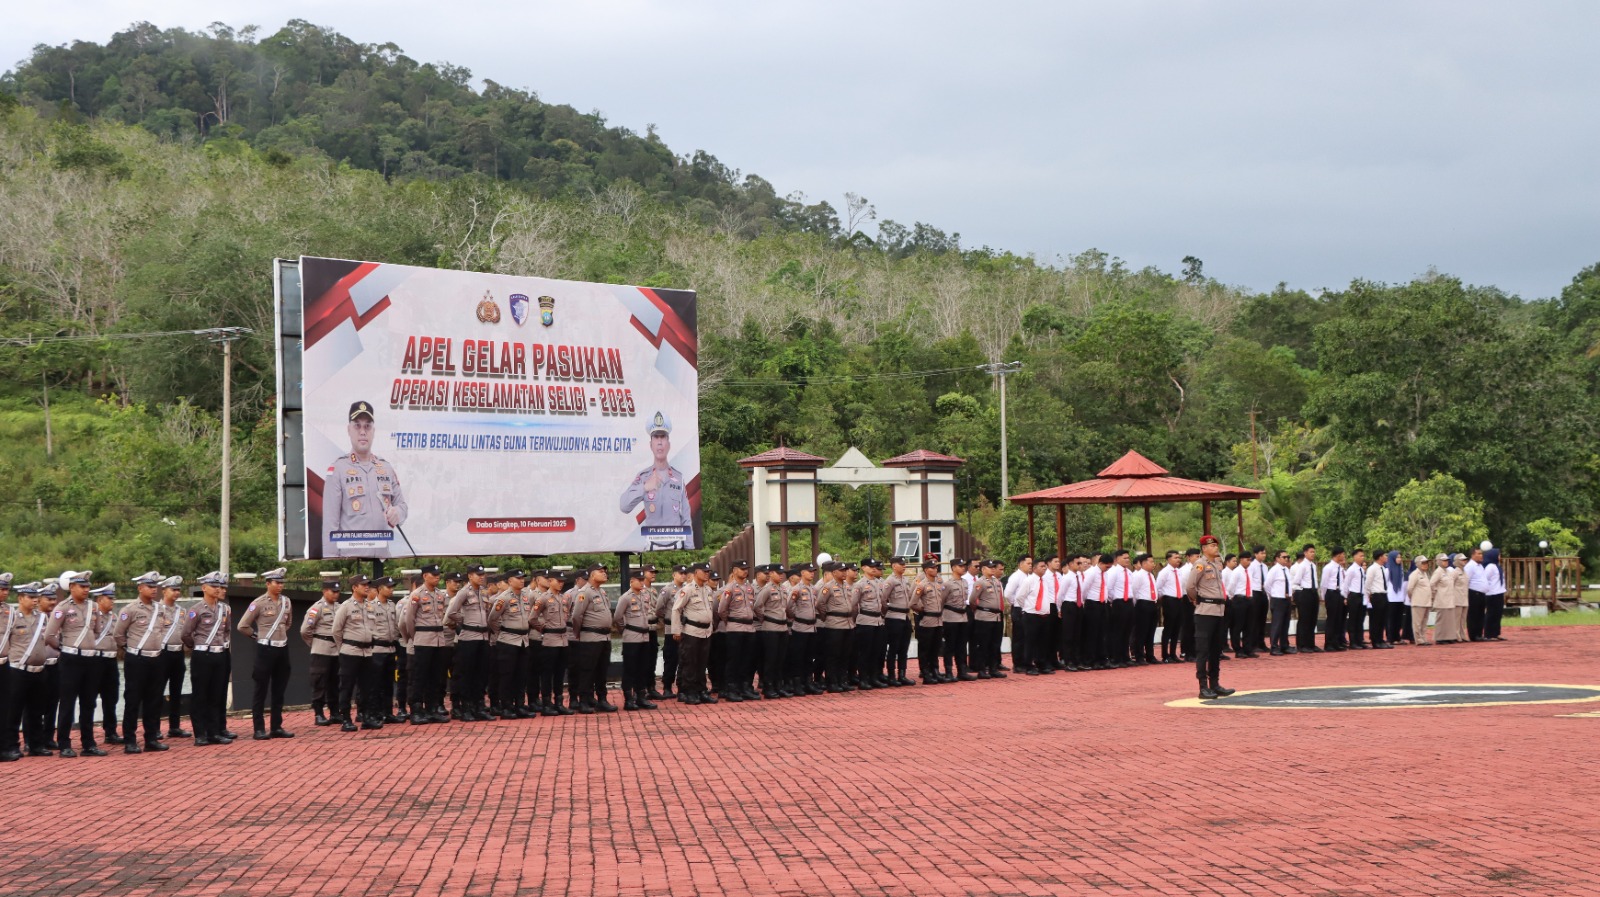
(1068, 784)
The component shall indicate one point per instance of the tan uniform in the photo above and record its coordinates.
(591, 615)
(633, 616)
(140, 629)
(206, 628)
(268, 620)
(468, 614)
(68, 631)
(896, 597)
(551, 614)
(772, 608)
(833, 602)
(26, 649)
(385, 626)
(693, 610)
(954, 594)
(803, 608)
(736, 608)
(511, 617)
(927, 602)
(317, 628)
(988, 597)
(424, 619)
(867, 596)
(353, 625)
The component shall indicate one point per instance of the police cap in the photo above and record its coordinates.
(360, 410)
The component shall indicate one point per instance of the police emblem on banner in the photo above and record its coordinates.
(547, 310)
(488, 311)
(519, 308)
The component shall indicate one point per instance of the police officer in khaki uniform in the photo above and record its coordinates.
(897, 622)
(663, 491)
(103, 651)
(68, 632)
(955, 624)
(27, 656)
(552, 618)
(652, 651)
(468, 615)
(317, 631)
(1211, 602)
(804, 675)
(424, 623)
(510, 619)
(138, 634)
(772, 610)
(591, 624)
(736, 609)
(353, 625)
(385, 647)
(694, 611)
(174, 669)
(632, 618)
(927, 604)
(988, 601)
(869, 646)
(269, 620)
(838, 618)
(360, 492)
(206, 633)
(669, 645)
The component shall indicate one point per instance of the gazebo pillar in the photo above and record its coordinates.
(1119, 527)
(1240, 503)
(1031, 549)
(1205, 511)
(1149, 538)
(1061, 530)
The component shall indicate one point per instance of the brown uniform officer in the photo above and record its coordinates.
(1211, 600)
(591, 623)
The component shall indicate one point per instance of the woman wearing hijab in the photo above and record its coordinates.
(1419, 587)
(1399, 603)
(1495, 594)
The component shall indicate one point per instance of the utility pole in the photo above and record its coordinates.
(1255, 468)
(226, 336)
(1001, 369)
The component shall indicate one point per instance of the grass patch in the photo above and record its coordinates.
(1562, 618)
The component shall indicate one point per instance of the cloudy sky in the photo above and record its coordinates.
(1305, 143)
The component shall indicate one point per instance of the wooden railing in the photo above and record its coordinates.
(1547, 581)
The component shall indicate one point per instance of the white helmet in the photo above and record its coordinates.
(823, 558)
(1486, 545)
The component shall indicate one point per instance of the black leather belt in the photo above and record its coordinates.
(640, 629)
(1211, 601)
(474, 628)
(835, 613)
(557, 631)
(925, 614)
(870, 613)
(597, 630)
(696, 624)
(773, 621)
(326, 638)
(749, 622)
(430, 629)
(379, 644)
(362, 645)
(806, 620)
(513, 631)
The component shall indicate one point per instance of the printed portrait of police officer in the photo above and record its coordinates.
(360, 494)
(662, 491)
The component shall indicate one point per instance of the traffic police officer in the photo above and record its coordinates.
(268, 620)
(360, 492)
(662, 490)
(205, 632)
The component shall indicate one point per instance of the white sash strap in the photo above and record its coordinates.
(222, 614)
(34, 642)
(166, 640)
(149, 629)
(85, 630)
(283, 611)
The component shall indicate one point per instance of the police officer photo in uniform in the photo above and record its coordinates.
(360, 493)
(662, 490)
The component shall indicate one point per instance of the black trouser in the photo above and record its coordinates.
(671, 656)
(1020, 656)
(955, 647)
(80, 685)
(1257, 637)
(1305, 630)
(897, 648)
(209, 673)
(172, 670)
(511, 669)
(52, 690)
(110, 692)
(1039, 655)
(426, 679)
(271, 675)
(1119, 622)
(491, 682)
(589, 662)
(1171, 624)
(693, 650)
(836, 656)
(383, 676)
(468, 675)
(552, 674)
(717, 660)
(1208, 639)
(1404, 611)
(325, 682)
(356, 682)
(402, 680)
(740, 655)
(652, 650)
(773, 660)
(798, 656)
(866, 653)
(1052, 647)
(985, 651)
(1477, 605)
(1333, 627)
(635, 675)
(1093, 634)
(928, 639)
(27, 705)
(1378, 618)
(1186, 636)
(1280, 624)
(1144, 630)
(448, 683)
(1494, 606)
(1355, 616)
(1239, 610)
(1070, 639)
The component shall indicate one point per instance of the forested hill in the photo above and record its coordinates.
(309, 90)
(146, 185)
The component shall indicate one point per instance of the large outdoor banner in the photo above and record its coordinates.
(454, 413)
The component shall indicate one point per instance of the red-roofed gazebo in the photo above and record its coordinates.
(1133, 480)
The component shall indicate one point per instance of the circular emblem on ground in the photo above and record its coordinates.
(1393, 697)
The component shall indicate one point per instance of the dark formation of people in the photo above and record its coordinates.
(478, 645)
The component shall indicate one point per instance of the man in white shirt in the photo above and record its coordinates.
(1236, 581)
(1022, 581)
(1036, 607)
(1169, 588)
(1355, 610)
(1333, 599)
(1145, 609)
(1070, 642)
(1119, 610)
(1376, 586)
(1477, 594)
(1095, 595)
(1303, 581)
(1257, 572)
(1277, 583)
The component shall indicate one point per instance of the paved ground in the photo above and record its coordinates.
(1068, 784)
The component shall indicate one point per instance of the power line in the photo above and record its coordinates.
(822, 381)
(214, 332)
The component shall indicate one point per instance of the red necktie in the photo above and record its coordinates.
(1080, 588)
(1038, 604)
(1177, 580)
(1103, 589)
(1125, 596)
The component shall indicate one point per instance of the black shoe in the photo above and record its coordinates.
(968, 677)
(322, 720)
(281, 732)
(391, 718)
(983, 674)
(52, 745)
(228, 735)
(691, 700)
(132, 747)
(371, 723)
(645, 703)
(113, 738)
(91, 751)
(1047, 671)
(1291, 650)
(40, 752)
(630, 704)
(996, 674)
(1220, 691)
(708, 699)
(260, 735)
(835, 689)
(1206, 694)
(586, 708)
(439, 717)
(418, 719)
(155, 746)
(733, 697)
(179, 733)
(348, 726)
(1277, 653)
(203, 741)
(605, 706)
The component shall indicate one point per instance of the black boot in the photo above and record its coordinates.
(321, 718)
(629, 702)
(1219, 690)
